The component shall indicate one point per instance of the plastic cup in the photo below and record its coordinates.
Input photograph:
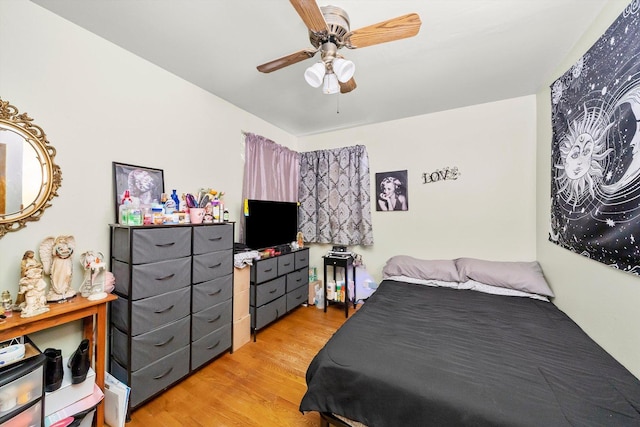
(196, 215)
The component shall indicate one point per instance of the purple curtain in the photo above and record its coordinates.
(271, 172)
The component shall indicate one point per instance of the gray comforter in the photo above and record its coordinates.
(422, 356)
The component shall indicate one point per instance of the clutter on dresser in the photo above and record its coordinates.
(205, 206)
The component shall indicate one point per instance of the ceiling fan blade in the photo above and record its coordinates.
(393, 29)
(285, 61)
(348, 86)
(311, 15)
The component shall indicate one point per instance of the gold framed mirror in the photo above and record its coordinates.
(29, 178)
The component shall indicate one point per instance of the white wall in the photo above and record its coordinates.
(489, 212)
(603, 301)
(97, 104)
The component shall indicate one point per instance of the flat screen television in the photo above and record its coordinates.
(268, 223)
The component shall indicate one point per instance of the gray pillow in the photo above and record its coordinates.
(403, 265)
(522, 276)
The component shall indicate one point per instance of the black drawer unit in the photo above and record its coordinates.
(278, 285)
(175, 308)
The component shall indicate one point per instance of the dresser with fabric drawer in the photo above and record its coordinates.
(212, 293)
(174, 313)
(277, 285)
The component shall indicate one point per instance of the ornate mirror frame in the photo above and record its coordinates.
(51, 176)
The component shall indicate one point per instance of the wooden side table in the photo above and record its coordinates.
(92, 313)
(345, 262)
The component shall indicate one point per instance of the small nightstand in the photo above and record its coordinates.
(345, 262)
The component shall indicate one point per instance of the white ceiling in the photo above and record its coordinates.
(467, 52)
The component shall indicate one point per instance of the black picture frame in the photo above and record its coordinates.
(126, 176)
(398, 182)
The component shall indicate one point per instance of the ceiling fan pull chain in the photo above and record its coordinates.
(338, 104)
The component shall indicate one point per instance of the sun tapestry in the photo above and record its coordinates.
(595, 189)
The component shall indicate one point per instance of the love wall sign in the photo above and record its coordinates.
(441, 175)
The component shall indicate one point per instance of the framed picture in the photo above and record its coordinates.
(392, 194)
(145, 185)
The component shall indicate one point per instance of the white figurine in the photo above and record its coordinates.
(87, 259)
(56, 255)
(98, 278)
(32, 287)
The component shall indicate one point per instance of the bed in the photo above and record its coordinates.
(428, 349)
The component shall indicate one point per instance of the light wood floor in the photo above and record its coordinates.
(260, 384)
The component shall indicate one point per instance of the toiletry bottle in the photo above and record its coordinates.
(176, 199)
(135, 214)
(123, 210)
(331, 289)
(216, 210)
(147, 217)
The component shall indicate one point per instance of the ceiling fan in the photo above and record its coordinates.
(328, 32)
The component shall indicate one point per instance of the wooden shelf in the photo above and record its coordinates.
(78, 308)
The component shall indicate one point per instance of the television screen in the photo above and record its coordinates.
(268, 223)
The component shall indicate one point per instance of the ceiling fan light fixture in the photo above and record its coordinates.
(315, 74)
(331, 84)
(344, 69)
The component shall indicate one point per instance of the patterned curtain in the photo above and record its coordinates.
(271, 172)
(335, 204)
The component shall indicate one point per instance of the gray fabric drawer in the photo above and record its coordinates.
(151, 244)
(152, 279)
(210, 346)
(206, 321)
(212, 238)
(212, 265)
(285, 264)
(268, 291)
(207, 294)
(264, 270)
(296, 279)
(297, 297)
(148, 381)
(148, 347)
(150, 313)
(268, 312)
(302, 258)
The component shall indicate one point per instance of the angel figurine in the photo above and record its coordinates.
(31, 300)
(56, 255)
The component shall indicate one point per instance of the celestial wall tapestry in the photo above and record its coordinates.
(595, 189)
